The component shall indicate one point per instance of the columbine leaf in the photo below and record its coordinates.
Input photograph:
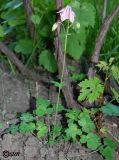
(41, 128)
(27, 117)
(72, 131)
(83, 139)
(107, 152)
(57, 130)
(42, 106)
(50, 110)
(86, 124)
(44, 102)
(42, 132)
(84, 113)
(14, 128)
(73, 114)
(40, 111)
(109, 142)
(92, 141)
(26, 127)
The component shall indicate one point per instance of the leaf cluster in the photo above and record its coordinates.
(33, 122)
(80, 126)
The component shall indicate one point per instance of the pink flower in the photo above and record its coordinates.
(67, 13)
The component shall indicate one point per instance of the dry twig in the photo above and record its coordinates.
(28, 12)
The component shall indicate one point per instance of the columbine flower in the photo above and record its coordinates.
(67, 13)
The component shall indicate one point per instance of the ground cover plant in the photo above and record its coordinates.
(76, 43)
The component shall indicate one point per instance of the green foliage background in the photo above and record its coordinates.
(13, 26)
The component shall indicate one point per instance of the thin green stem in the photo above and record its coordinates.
(11, 66)
(32, 53)
(62, 76)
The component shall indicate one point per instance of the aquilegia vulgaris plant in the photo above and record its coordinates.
(65, 14)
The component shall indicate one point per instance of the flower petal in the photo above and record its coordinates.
(67, 14)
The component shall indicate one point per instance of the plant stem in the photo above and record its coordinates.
(62, 76)
(35, 47)
(11, 66)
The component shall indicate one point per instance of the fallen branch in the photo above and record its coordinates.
(67, 89)
(24, 71)
(100, 39)
(28, 12)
